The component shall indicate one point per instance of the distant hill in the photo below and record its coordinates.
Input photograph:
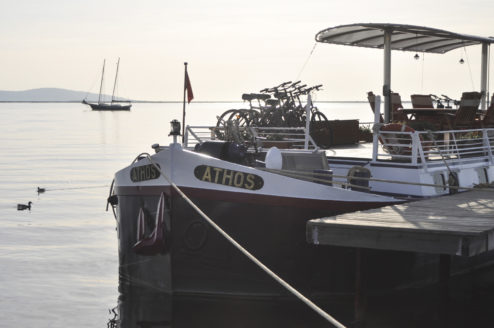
(48, 94)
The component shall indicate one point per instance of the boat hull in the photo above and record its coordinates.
(264, 212)
(198, 260)
(110, 107)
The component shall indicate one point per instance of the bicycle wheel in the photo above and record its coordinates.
(318, 116)
(222, 123)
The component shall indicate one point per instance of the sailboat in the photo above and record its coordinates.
(113, 104)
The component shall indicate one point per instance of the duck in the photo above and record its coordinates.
(41, 190)
(22, 207)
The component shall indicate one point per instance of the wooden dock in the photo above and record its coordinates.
(460, 224)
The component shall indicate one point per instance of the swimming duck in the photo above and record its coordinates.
(22, 207)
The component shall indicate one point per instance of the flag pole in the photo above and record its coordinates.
(183, 115)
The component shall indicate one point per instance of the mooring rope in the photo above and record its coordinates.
(70, 188)
(273, 275)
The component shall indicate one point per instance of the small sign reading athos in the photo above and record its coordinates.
(144, 172)
(228, 177)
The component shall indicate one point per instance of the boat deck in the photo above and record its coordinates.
(359, 150)
(459, 224)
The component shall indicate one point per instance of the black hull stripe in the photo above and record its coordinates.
(261, 199)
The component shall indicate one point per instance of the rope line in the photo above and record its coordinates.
(301, 297)
(306, 61)
(429, 133)
(312, 177)
(422, 80)
(469, 68)
(73, 188)
(311, 174)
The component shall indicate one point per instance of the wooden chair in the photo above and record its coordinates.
(466, 113)
(422, 101)
(425, 101)
(396, 115)
(488, 120)
(371, 97)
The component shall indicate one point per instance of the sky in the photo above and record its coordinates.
(232, 47)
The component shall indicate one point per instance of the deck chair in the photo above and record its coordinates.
(488, 120)
(371, 97)
(425, 101)
(422, 101)
(465, 115)
(396, 116)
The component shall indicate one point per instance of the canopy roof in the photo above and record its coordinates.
(403, 37)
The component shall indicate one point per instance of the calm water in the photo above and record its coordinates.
(59, 261)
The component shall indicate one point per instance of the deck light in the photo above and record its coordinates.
(462, 61)
(416, 56)
(174, 128)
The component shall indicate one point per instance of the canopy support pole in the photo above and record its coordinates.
(387, 75)
(483, 75)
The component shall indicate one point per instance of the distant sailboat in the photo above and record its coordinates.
(114, 104)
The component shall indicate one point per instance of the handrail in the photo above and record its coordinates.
(282, 136)
(425, 147)
(408, 148)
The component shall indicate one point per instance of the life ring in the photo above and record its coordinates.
(358, 178)
(392, 141)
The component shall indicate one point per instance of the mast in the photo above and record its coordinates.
(101, 85)
(115, 83)
(183, 112)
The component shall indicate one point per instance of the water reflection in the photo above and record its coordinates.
(144, 308)
(139, 307)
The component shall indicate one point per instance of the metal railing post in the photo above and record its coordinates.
(417, 149)
(375, 131)
(487, 144)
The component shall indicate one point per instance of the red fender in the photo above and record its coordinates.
(155, 242)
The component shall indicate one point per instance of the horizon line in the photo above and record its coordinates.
(165, 101)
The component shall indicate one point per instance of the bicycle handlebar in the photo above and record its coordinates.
(447, 98)
(284, 84)
(289, 88)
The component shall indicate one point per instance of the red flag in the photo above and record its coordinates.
(188, 87)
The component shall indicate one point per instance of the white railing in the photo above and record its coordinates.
(423, 147)
(199, 134)
(283, 137)
(260, 137)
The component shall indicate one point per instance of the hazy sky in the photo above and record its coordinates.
(231, 46)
